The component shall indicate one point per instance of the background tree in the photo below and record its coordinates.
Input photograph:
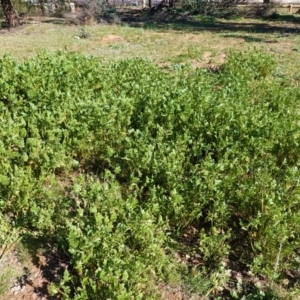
(10, 13)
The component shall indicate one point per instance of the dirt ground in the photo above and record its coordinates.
(34, 273)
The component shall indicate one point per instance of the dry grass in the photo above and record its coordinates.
(199, 43)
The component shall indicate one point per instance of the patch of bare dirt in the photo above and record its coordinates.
(209, 61)
(106, 40)
(30, 286)
(36, 275)
(112, 39)
(175, 293)
(206, 56)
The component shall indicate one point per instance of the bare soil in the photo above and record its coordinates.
(35, 274)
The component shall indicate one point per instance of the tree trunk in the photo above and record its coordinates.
(10, 13)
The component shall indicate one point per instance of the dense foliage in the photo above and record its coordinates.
(117, 163)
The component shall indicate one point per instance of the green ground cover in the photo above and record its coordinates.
(144, 177)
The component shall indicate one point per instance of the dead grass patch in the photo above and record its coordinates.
(112, 39)
(164, 44)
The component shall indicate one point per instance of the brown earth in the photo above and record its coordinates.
(34, 274)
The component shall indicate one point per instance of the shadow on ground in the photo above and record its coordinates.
(216, 26)
(46, 266)
(164, 21)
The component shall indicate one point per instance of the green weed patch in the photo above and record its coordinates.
(119, 162)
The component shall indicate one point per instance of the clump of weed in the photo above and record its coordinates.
(83, 33)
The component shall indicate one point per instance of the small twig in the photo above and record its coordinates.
(3, 252)
(277, 263)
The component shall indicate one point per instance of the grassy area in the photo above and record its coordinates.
(200, 43)
(192, 168)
